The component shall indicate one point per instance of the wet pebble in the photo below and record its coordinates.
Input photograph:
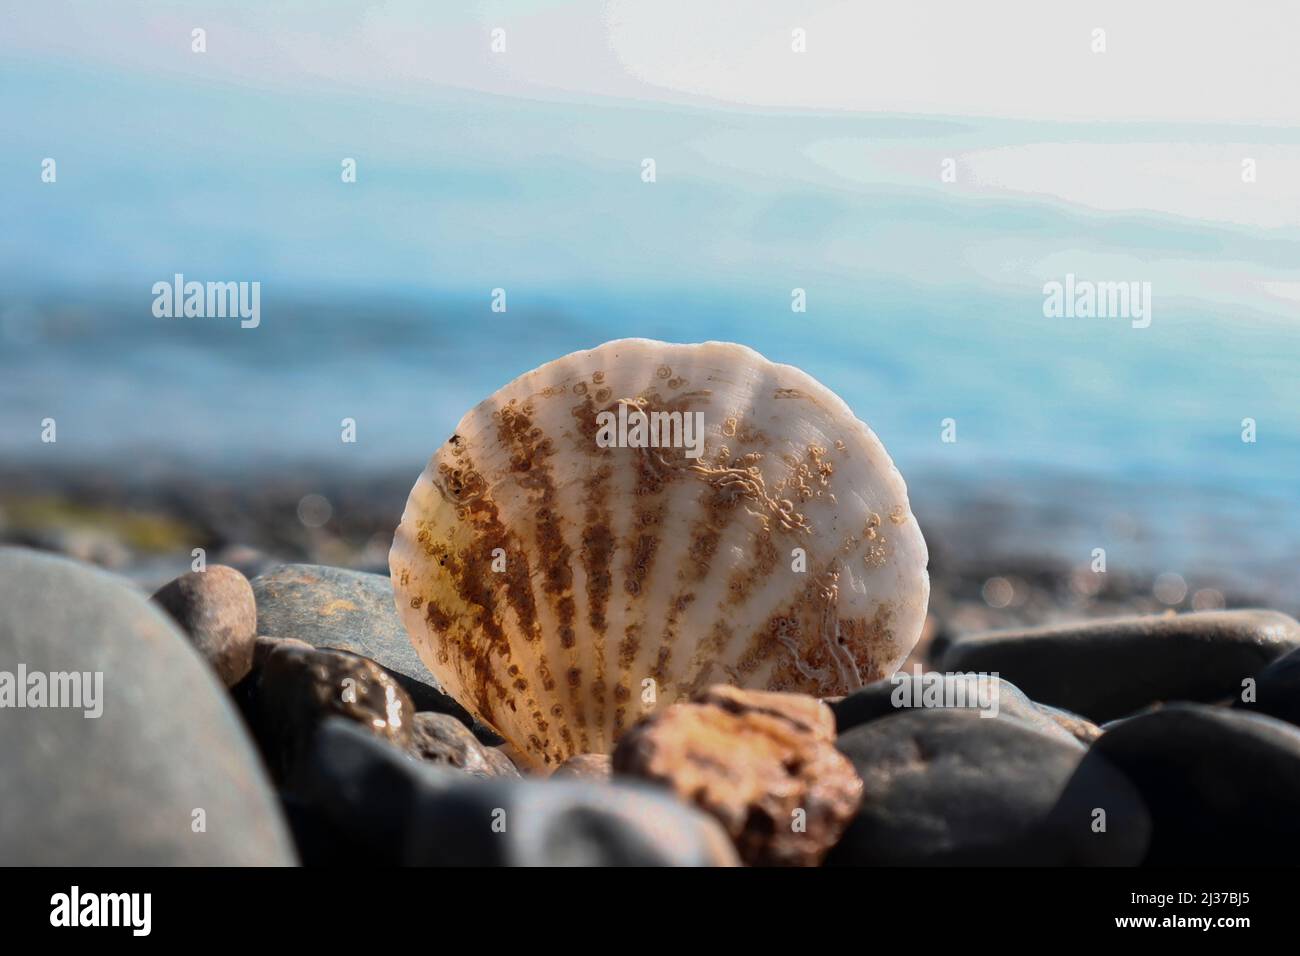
(297, 687)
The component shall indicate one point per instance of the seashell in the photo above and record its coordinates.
(561, 573)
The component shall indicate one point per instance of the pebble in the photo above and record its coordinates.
(1277, 690)
(403, 811)
(764, 764)
(442, 739)
(585, 767)
(351, 611)
(298, 687)
(166, 775)
(1223, 785)
(1107, 669)
(1080, 728)
(946, 787)
(907, 690)
(216, 608)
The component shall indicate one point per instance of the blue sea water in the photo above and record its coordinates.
(376, 298)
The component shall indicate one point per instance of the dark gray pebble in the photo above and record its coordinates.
(907, 690)
(1080, 728)
(125, 788)
(947, 787)
(1277, 690)
(406, 811)
(1106, 669)
(1223, 786)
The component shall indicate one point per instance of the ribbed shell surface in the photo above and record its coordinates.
(562, 576)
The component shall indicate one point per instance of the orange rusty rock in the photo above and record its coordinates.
(763, 763)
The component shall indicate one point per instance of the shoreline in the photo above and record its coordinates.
(984, 574)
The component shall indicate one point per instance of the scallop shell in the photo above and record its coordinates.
(561, 586)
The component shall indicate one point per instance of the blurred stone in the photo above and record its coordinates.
(217, 610)
(90, 545)
(905, 691)
(1106, 669)
(1222, 785)
(585, 766)
(948, 788)
(1277, 690)
(764, 764)
(247, 560)
(404, 811)
(124, 788)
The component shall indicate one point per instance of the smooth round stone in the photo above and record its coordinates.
(1106, 669)
(351, 611)
(121, 789)
(1277, 690)
(408, 812)
(1223, 786)
(906, 691)
(216, 608)
(947, 787)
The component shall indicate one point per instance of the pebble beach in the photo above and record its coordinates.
(1123, 731)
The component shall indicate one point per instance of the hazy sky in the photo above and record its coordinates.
(1159, 125)
(1165, 60)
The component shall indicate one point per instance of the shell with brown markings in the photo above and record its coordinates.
(560, 584)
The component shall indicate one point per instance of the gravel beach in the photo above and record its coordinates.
(1123, 729)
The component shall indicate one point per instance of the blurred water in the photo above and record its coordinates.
(923, 305)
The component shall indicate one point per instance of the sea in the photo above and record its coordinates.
(830, 241)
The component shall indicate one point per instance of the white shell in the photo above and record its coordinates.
(560, 589)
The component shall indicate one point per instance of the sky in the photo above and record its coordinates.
(1158, 127)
